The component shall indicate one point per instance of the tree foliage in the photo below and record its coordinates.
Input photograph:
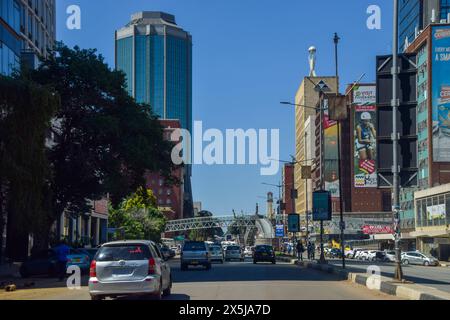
(104, 140)
(137, 217)
(25, 113)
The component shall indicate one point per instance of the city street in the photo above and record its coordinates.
(231, 281)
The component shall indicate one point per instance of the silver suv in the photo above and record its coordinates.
(195, 253)
(125, 268)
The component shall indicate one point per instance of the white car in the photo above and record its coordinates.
(363, 255)
(372, 255)
(248, 252)
(389, 255)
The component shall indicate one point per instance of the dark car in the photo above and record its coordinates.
(45, 262)
(264, 253)
(167, 252)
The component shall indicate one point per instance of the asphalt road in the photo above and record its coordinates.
(231, 281)
(435, 277)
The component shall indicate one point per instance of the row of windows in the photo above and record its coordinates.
(10, 13)
(433, 211)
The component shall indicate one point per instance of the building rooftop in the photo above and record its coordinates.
(152, 17)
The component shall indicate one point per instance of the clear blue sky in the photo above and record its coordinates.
(248, 55)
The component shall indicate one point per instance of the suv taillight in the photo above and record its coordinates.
(151, 266)
(93, 269)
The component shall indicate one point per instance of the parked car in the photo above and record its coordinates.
(167, 252)
(248, 252)
(363, 255)
(216, 253)
(264, 253)
(334, 253)
(45, 263)
(351, 254)
(195, 253)
(234, 253)
(375, 255)
(417, 257)
(389, 256)
(91, 252)
(126, 268)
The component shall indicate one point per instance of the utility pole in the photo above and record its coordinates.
(341, 204)
(395, 143)
(306, 192)
(322, 176)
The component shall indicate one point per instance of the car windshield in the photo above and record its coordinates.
(194, 246)
(129, 252)
(233, 248)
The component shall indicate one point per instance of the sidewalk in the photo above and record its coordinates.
(384, 284)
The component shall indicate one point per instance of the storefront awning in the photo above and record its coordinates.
(430, 233)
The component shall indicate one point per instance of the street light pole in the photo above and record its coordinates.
(395, 143)
(341, 205)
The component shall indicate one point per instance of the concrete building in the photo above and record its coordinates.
(156, 56)
(169, 196)
(307, 95)
(197, 208)
(433, 90)
(433, 221)
(27, 31)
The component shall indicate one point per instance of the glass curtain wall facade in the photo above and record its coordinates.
(156, 57)
(445, 9)
(25, 25)
(10, 40)
(410, 20)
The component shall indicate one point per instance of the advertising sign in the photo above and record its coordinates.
(322, 210)
(279, 231)
(365, 136)
(378, 229)
(436, 212)
(293, 223)
(331, 168)
(441, 93)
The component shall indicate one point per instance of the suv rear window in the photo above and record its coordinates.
(194, 246)
(263, 248)
(233, 248)
(129, 252)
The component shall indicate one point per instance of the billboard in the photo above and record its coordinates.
(441, 92)
(322, 210)
(365, 136)
(331, 169)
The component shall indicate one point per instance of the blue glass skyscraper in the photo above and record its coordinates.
(156, 56)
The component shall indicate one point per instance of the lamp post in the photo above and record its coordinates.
(320, 109)
(395, 144)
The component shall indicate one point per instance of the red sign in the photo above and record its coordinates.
(380, 229)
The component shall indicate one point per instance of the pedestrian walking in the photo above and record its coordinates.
(62, 251)
(300, 250)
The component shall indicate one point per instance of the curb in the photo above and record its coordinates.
(382, 284)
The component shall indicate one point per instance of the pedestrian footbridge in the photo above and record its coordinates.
(263, 225)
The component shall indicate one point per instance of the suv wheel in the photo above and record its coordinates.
(159, 294)
(405, 262)
(426, 263)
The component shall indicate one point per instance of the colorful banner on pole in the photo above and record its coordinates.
(331, 169)
(365, 170)
(441, 93)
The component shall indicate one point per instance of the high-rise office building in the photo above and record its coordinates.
(156, 56)
(415, 15)
(27, 31)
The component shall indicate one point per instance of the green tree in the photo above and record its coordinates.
(25, 113)
(205, 234)
(137, 217)
(104, 140)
